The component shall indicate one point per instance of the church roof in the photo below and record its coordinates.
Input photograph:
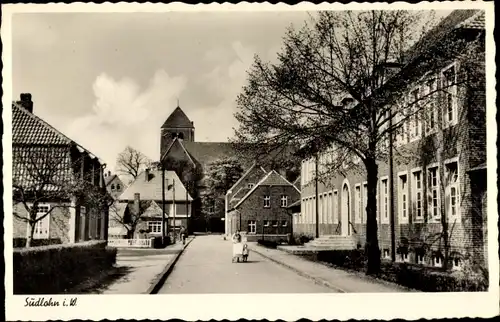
(177, 119)
(207, 152)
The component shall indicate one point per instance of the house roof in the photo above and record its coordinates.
(273, 178)
(297, 182)
(207, 152)
(27, 128)
(177, 119)
(181, 143)
(254, 165)
(296, 204)
(154, 210)
(152, 189)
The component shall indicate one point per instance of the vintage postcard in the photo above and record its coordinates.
(250, 161)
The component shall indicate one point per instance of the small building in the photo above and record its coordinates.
(148, 187)
(114, 185)
(263, 210)
(46, 165)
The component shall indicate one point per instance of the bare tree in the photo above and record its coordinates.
(130, 162)
(128, 218)
(47, 174)
(372, 58)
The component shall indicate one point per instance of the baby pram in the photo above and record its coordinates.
(240, 251)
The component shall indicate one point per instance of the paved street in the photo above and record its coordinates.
(205, 267)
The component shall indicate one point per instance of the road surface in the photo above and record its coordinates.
(205, 267)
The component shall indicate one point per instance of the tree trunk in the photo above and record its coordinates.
(371, 248)
(31, 233)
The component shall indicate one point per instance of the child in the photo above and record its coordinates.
(245, 252)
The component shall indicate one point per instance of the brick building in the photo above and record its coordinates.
(190, 160)
(438, 170)
(40, 151)
(263, 209)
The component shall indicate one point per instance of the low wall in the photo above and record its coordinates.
(270, 237)
(57, 268)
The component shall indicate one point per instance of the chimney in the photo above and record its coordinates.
(26, 102)
(146, 177)
(137, 201)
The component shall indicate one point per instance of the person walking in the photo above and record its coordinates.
(182, 232)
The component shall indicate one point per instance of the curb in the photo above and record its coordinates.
(316, 280)
(160, 279)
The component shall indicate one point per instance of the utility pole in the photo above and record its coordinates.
(163, 228)
(391, 180)
(317, 196)
(174, 210)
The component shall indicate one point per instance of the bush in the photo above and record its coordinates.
(427, 279)
(267, 243)
(58, 268)
(157, 243)
(21, 242)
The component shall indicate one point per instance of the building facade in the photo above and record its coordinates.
(439, 173)
(114, 185)
(263, 210)
(46, 165)
(143, 200)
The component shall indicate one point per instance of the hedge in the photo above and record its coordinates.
(21, 242)
(57, 268)
(157, 243)
(267, 243)
(427, 279)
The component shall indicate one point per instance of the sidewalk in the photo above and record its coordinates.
(138, 271)
(340, 280)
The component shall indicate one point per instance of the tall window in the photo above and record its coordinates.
(417, 195)
(365, 201)
(42, 225)
(431, 117)
(385, 200)
(450, 95)
(452, 191)
(154, 226)
(433, 185)
(320, 209)
(252, 227)
(284, 201)
(267, 201)
(416, 123)
(329, 206)
(357, 203)
(335, 207)
(403, 198)
(325, 208)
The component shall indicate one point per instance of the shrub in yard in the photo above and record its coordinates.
(267, 243)
(353, 259)
(21, 242)
(157, 243)
(56, 268)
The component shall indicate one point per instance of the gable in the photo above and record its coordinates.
(177, 153)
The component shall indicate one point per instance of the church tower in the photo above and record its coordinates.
(178, 126)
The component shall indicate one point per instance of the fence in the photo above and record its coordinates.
(137, 243)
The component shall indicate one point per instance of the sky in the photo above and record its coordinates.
(108, 80)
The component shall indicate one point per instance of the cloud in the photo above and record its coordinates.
(124, 115)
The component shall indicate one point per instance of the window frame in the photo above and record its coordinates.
(284, 198)
(267, 201)
(156, 223)
(335, 206)
(414, 192)
(403, 192)
(454, 88)
(432, 105)
(358, 201)
(430, 192)
(46, 220)
(385, 215)
(448, 188)
(250, 224)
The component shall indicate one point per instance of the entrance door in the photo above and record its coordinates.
(345, 211)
